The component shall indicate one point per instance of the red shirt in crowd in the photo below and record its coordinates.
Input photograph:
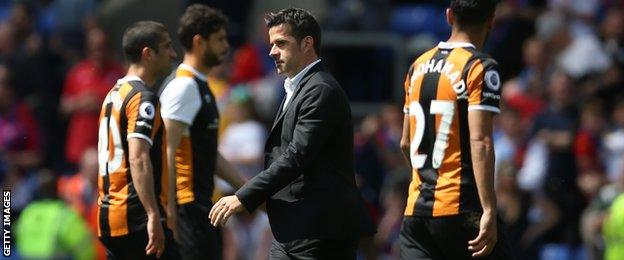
(84, 79)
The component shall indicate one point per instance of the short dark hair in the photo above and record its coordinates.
(140, 35)
(301, 23)
(199, 19)
(473, 12)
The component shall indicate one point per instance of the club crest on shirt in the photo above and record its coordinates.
(492, 80)
(147, 110)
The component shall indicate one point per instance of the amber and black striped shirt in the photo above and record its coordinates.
(442, 85)
(188, 98)
(130, 110)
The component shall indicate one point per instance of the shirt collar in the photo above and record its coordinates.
(194, 71)
(451, 45)
(129, 78)
(291, 84)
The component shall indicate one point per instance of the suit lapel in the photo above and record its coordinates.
(302, 82)
(280, 111)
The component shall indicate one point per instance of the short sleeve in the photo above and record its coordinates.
(141, 113)
(406, 87)
(180, 100)
(484, 86)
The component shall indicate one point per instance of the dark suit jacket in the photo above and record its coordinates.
(309, 180)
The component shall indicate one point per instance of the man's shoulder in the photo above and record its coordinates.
(183, 82)
(324, 78)
(179, 87)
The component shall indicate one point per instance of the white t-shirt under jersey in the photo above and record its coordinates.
(180, 100)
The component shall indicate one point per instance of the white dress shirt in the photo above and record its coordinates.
(291, 84)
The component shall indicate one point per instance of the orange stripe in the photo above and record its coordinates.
(164, 177)
(475, 81)
(101, 196)
(184, 168)
(447, 189)
(118, 197)
(180, 72)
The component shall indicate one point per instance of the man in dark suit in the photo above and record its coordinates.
(314, 206)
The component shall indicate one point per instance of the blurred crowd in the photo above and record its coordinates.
(559, 140)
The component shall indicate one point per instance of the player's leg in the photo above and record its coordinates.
(415, 240)
(198, 238)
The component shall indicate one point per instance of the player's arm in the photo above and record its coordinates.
(228, 173)
(142, 177)
(141, 112)
(405, 142)
(405, 136)
(179, 104)
(484, 87)
(174, 130)
(482, 152)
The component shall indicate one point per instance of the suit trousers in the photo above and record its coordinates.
(305, 249)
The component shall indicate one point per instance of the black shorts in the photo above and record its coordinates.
(198, 239)
(132, 246)
(446, 237)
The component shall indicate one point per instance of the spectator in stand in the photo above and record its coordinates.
(19, 136)
(247, 65)
(579, 14)
(614, 143)
(556, 128)
(513, 206)
(588, 148)
(509, 143)
(612, 34)
(85, 87)
(389, 137)
(524, 93)
(369, 166)
(242, 143)
(80, 192)
(594, 216)
(612, 37)
(394, 197)
(49, 229)
(613, 230)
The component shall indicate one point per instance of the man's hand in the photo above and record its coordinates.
(223, 209)
(172, 220)
(486, 240)
(156, 235)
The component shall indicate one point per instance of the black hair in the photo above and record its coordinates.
(472, 13)
(140, 35)
(199, 19)
(301, 24)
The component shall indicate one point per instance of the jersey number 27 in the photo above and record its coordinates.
(439, 107)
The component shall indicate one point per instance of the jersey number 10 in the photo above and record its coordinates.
(447, 110)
